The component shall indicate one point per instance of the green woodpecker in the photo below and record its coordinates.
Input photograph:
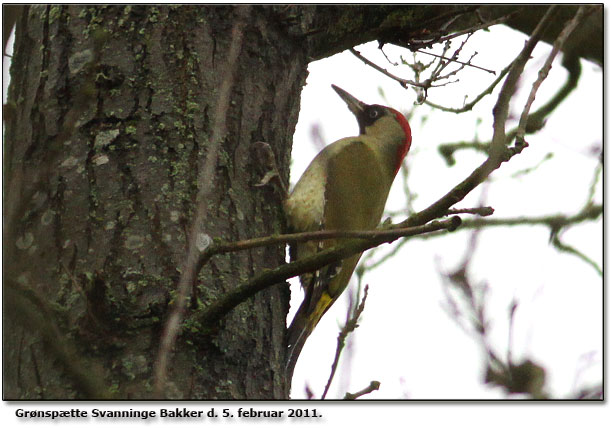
(345, 187)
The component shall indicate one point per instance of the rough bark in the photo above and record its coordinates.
(109, 115)
(112, 114)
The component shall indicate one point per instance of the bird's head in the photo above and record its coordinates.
(384, 123)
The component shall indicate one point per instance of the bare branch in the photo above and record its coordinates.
(553, 221)
(499, 153)
(460, 191)
(447, 150)
(469, 106)
(558, 221)
(511, 315)
(543, 73)
(500, 111)
(593, 186)
(403, 82)
(479, 211)
(268, 278)
(571, 250)
(373, 386)
(457, 61)
(348, 328)
(535, 121)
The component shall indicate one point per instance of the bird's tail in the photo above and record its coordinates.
(304, 322)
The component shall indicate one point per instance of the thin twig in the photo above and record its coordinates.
(403, 82)
(479, 211)
(469, 106)
(530, 169)
(535, 121)
(348, 328)
(373, 386)
(390, 254)
(511, 316)
(593, 186)
(437, 76)
(457, 61)
(426, 84)
(447, 150)
(558, 221)
(206, 178)
(460, 191)
(556, 241)
(543, 73)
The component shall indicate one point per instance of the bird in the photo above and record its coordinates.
(345, 187)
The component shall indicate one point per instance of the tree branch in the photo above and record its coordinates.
(479, 211)
(500, 111)
(535, 120)
(553, 221)
(403, 82)
(571, 250)
(373, 386)
(457, 61)
(543, 73)
(320, 235)
(349, 327)
(268, 278)
(499, 152)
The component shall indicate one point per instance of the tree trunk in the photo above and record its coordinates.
(111, 114)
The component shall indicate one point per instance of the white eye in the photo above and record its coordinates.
(373, 114)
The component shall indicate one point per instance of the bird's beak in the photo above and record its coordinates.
(354, 105)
